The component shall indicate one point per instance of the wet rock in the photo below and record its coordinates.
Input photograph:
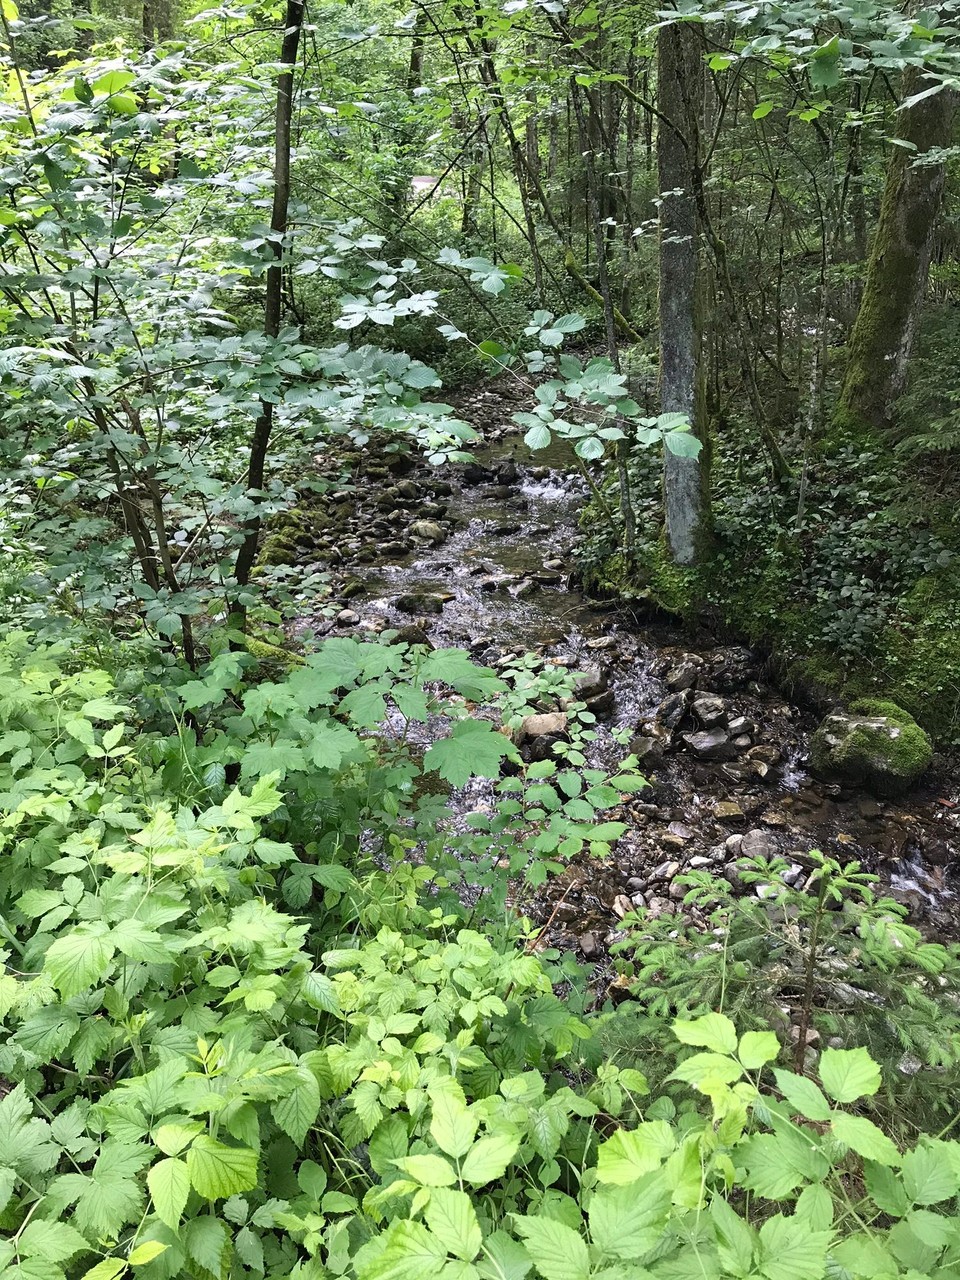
(554, 565)
(419, 602)
(505, 530)
(602, 704)
(602, 642)
(710, 709)
(733, 668)
(589, 945)
(496, 582)
(500, 492)
(347, 618)
(473, 473)
(673, 708)
(875, 743)
(524, 589)
(589, 682)
(727, 811)
(648, 750)
(412, 634)
(868, 808)
(546, 579)
(680, 830)
(429, 530)
(757, 844)
(622, 906)
(742, 725)
(685, 673)
(766, 753)
(674, 843)
(709, 744)
(509, 472)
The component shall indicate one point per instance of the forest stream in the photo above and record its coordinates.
(481, 556)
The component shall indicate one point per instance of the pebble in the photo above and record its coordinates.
(727, 811)
(622, 906)
(347, 618)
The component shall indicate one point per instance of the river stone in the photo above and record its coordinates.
(709, 709)
(672, 709)
(727, 811)
(602, 704)
(473, 473)
(347, 618)
(419, 602)
(647, 749)
(428, 529)
(685, 673)
(765, 752)
(742, 724)
(709, 744)
(408, 490)
(875, 743)
(589, 682)
(589, 945)
(550, 724)
(757, 844)
(412, 633)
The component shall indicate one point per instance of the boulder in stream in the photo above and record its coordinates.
(709, 744)
(419, 602)
(876, 743)
(429, 530)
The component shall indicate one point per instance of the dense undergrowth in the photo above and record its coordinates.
(256, 1023)
(847, 572)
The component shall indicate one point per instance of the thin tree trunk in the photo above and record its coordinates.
(883, 331)
(685, 480)
(260, 443)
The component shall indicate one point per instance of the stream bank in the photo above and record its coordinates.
(481, 556)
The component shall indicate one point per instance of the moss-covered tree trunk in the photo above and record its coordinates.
(680, 95)
(883, 332)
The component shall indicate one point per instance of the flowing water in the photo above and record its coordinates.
(481, 557)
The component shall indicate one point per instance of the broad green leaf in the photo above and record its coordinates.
(630, 1153)
(815, 1207)
(146, 1252)
(411, 1253)
(789, 1250)
(713, 1031)
(473, 749)
(113, 82)
(558, 1252)
(757, 1048)
(108, 1269)
(296, 1112)
(431, 1171)
(627, 1221)
(79, 960)
(488, 1158)
(736, 1240)
(862, 1135)
(703, 1070)
(803, 1095)
(504, 1258)
(169, 1185)
(54, 1241)
(453, 1128)
(217, 1171)
(205, 1240)
(451, 1217)
(762, 110)
(848, 1074)
(927, 1177)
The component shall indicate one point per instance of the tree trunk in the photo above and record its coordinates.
(883, 332)
(260, 443)
(685, 480)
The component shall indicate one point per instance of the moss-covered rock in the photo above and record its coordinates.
(876, 743)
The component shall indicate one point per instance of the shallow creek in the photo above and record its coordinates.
(480, 557)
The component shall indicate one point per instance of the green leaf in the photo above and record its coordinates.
(54, 1241)
(735, 1238)
(558, 1252)
(803, 1095)
(473, 749)
(108, 1269)
(146, 1252)
(862, 1135)
(886, 1189)
(431, 1171)
(488, 1158)
(169, 1185)
(452, 1127)
(452, 1218)
(296, 1112)
(79, 960)
(703, 1070)
(848, 1074)
(928, 1178)
(205, 1239)
(537, 437)
(682, 444)
(217, 1171)
(762, 110)
(411, 1253)
(631, 1153)
(791, 1251)
(113, 82)
(757, 1048)
(627, 1221)
(815, 1207)
(713, 1031)
(505, 1258)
